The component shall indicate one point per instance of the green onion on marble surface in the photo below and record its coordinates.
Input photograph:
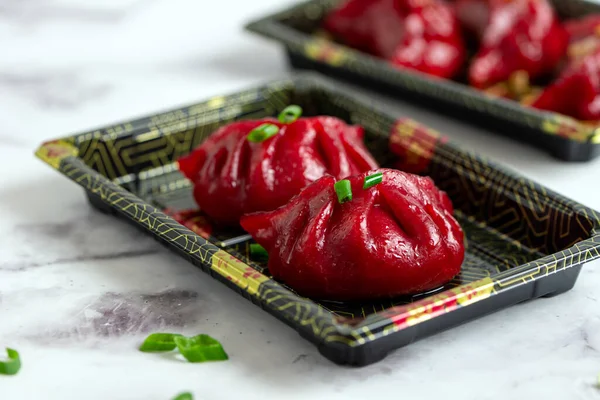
(200, 348)
(12, 365)
(184, 396)
(158, 342)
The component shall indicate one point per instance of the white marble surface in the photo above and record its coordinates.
(79, 290)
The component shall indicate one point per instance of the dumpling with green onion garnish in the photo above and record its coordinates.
(258, 165)
(379, 234)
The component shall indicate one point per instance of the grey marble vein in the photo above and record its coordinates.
(21, 266)
(91, 236)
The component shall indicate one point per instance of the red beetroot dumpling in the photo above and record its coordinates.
(422, 35)
(515, 35)
(398, 237)
(576, 92)
(233, 176)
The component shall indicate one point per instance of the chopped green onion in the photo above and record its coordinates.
(184, 396)
(257, 252)
(13, 365)
(158, 342)
(262, 133)
(373, 180)
(195, 349)
(200, 348)
(343, 189)
(290, 114)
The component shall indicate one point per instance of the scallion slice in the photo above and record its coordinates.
(290, 114)
(158, 342)
(12, 365)
(200, 348)
(343, 189)
(257, 252)
(262, 133)
(373, 180)
(184, 396)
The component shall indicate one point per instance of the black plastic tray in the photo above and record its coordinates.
(524, 241)
(564, 137)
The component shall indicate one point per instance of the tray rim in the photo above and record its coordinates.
(62, 155)
(339, 56)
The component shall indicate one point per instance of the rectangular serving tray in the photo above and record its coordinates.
(563, 137)
(523, 240)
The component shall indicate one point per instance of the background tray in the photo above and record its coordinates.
(564, 137)
(524, 241)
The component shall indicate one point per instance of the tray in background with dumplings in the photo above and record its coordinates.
(523, 240)
(296, 29)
